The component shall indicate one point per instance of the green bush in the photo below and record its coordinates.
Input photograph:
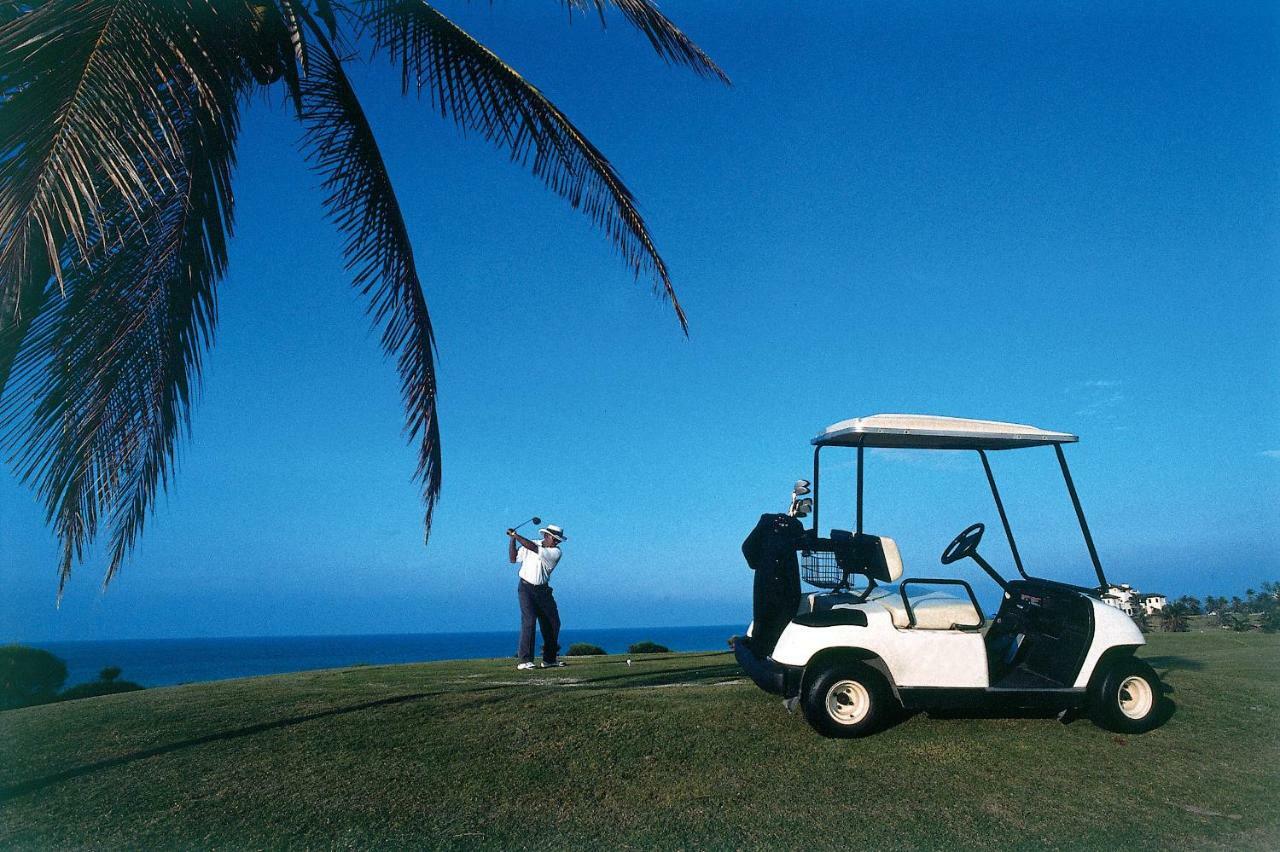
(648, 648)
(584, 649)
(29, 676)
(98, 687)
(109, 674)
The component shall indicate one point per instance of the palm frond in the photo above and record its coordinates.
(481, 93)
(362, 202)
(104, 376)
(83, 116)
(667, 39)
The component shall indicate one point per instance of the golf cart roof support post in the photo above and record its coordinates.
(1084, 526)
(859, 522)
(816, 450)
(1004, 519)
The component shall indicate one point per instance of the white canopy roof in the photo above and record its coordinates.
(932, 432)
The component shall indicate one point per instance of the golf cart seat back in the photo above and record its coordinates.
(933, 611)
(828, 563)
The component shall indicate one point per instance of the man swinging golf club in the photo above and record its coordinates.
(537, 561)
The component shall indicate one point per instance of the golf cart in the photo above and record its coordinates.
(855, 653)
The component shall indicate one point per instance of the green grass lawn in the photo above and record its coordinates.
(676, 751)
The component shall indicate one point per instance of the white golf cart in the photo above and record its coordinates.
(855, 654)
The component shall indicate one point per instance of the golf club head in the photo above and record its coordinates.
(801, 488)
(535, 520)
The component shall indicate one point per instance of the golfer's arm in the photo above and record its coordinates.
(511, 546)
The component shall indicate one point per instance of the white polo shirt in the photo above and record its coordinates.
(536, 565)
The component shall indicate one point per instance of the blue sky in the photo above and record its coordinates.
(1064, 215)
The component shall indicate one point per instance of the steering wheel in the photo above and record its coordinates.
(965, 544)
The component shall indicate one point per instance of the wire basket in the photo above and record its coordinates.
(820, 568)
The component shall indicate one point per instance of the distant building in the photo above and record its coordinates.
(1131, 602)
(1122, 597)
(1153, 603)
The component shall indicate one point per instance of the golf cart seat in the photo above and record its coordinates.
(933, 611)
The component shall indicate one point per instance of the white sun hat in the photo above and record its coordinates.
(555, 531)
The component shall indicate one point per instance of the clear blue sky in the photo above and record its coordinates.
(1064, 215)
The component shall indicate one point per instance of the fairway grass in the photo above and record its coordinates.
(677, 750)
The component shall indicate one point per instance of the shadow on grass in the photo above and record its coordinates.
(636, 680)
(1165, 710)
(664, 677)
(35, 784)
(1171, 662)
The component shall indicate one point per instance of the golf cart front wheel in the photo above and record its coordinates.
(1127, 698)
(846, 700)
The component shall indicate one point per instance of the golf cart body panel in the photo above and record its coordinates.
(1052, 645)
(1112, 629)
(949, 658)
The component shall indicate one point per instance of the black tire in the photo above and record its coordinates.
(1127, 697)
(846, 699)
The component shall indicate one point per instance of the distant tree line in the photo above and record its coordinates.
(33, 676)
(1259, 609)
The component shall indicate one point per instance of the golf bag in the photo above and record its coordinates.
(770, 550)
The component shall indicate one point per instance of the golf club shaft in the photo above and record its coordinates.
(534, 520)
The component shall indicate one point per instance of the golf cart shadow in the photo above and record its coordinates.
(1173, 663)
(1164, 711)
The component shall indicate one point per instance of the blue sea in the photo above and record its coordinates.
(163, 662)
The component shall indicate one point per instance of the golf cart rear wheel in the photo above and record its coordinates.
(1127, 697)
(846, 700)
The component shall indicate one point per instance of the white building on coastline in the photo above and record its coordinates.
(1130, 601)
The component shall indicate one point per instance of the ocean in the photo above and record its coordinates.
(163, 662)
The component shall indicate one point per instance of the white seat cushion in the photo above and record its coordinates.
(933, 611)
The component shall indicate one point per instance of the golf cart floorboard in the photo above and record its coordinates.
(1022, 678)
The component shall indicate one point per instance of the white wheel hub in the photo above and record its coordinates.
(1136, 697)
(848, 702)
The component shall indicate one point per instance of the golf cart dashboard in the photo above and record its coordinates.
(1052, 624)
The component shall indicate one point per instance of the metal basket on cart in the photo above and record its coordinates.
(825, 563)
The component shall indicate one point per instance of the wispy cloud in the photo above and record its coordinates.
(1100, 398)
(1271, 454)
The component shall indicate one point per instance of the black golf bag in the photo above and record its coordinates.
(770, 550)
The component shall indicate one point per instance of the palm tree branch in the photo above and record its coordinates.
(362, 203)
(667, 39)
(104, 378)
(481, 93)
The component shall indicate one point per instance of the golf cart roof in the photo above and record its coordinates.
(932, 432)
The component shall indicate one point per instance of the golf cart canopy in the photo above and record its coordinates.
(932, 432)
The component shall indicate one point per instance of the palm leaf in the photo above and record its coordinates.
(104, 377)
(666, 38)
(480, 92)
(362, 203)
(86, 113)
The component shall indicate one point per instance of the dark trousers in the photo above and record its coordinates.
(537, 603)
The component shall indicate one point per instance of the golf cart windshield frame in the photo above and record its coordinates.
(861, 443)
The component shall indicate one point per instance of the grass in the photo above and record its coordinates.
(677, 750)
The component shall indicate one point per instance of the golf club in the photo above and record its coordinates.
(534, 520)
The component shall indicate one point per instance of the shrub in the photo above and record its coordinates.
(1238, 621)
(109, 674)
(1271, 621)
(648, 648)
(98, 687)
(29, 676)
(584, 649)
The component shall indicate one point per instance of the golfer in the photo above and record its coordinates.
(537, 561)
